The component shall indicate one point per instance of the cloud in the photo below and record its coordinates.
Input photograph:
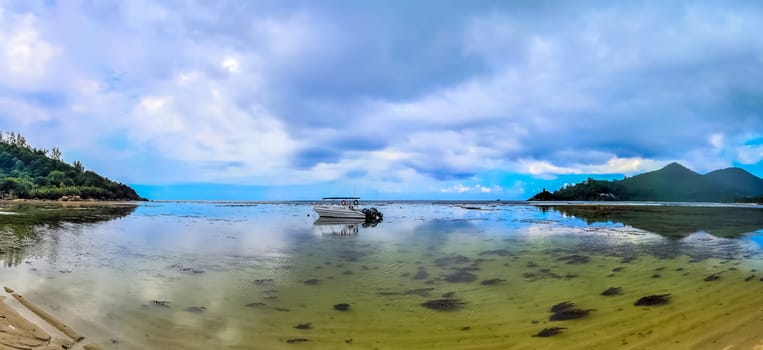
(419, 99)
(24, 55)
(461, 188)
(614, 165)
(749, 154)
(12, 110)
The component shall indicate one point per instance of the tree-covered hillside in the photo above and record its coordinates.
(27, 172)
(673, 183)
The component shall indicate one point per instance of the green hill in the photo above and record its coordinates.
(737, 181)
(27, 172)
(673, 183)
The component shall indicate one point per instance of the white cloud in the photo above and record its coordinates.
(21, 113)
(750, 154)
(477, 188)
(459, 188)
(614, 165)
(716, 140)
(614, 89)
(201, 123)
(230, 64)
(24, 55)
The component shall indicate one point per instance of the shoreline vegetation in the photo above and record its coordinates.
(673, 183)
(30, 173)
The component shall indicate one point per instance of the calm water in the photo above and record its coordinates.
(265, 276)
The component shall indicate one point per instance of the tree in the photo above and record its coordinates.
(9, 185)
(55, 153)
(21, 141)
(27, 172)
(56, 177)
(79, 167)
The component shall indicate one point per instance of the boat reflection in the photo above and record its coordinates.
(337, 226)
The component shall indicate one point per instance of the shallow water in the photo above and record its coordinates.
(246, 275)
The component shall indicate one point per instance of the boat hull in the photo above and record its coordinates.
(338, 212)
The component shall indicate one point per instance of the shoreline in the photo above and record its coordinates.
(79, 202)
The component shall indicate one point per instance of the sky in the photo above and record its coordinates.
(273, 100)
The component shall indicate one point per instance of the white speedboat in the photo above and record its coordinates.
(339, 207)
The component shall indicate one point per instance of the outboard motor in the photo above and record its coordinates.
(373, 216)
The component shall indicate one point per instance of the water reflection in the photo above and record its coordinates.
(25, 225)
(672, 222)
(22, 217)
(201, 276)
(337, 226)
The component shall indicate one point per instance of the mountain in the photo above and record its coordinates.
(27, 172)
(673, 183)
(738, 181)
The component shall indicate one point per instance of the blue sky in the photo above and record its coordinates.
(383, 99)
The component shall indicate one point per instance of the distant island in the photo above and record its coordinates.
(30, 173)
(673, 183)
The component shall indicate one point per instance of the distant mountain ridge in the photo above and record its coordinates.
(673, 183)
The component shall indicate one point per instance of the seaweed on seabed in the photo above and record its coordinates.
(195, 309)
(650, 300)
(422, 292)
(342, 307)
(566, 311)
(499, 252)
(549, 332)
(712, 277)
(451, 260)
(612, 291)
(562, 306)
(161, 303)
(443, 304)
(460, 277)
(492, 281)
(570, 314)
(421, 274)
(574, 259)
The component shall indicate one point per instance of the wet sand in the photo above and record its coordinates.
(24, 325)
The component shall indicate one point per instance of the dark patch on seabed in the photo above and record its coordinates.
(461, 277)
(421, 274)
(452, 260)
(304, 326)
(571, 314)
(342, 307)
(652, 300)
(444, 304)
(422, 292)
(549, 332)
(492, 281)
